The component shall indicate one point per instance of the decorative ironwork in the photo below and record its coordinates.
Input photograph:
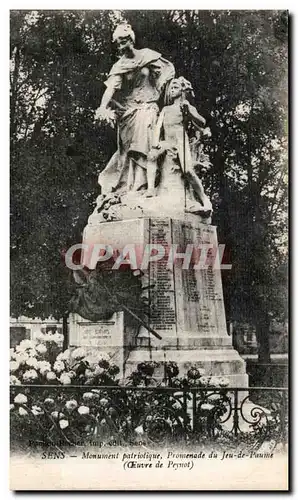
(82, 415)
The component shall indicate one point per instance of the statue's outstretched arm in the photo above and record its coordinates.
(103, 112)
(106, 98)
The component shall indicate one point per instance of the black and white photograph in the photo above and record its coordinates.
(149, 250)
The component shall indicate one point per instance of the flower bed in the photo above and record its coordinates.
(63, 397)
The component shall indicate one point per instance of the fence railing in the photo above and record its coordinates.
(77, 415)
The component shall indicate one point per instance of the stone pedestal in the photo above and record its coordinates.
(115, 337)
(186, 303)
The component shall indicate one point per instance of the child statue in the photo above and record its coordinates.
(172, 149)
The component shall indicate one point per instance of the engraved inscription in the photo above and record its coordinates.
(162, 314)
(96, 335)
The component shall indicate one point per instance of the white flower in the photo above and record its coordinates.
(98, 370)
(214, 397)
(88, 395)
(63, 424)
(36, 410)
(31, 353)
(65, 379)
(71, 404)
(44, 367)
(14, 365)
(104, 402)
(223, 382)
(21, 399)
(95, 395)
(23, 412)
(139, 430)
(41, 349)
(55, 414)
(11, 407)
(32, 362)
(207, 406)
(49, 402)
(30, 375)
(83, 410)
(47, 337)
(78, 353)
(203, 381)
(71, 374)
(89, 373)
(27, 344)
(59, 366)
(51, 376)
(58, 337)
(50, 337)
(40, 336)
(63, 356)
(53, 337)
(21, 357)
(13, 380)
(66, 353)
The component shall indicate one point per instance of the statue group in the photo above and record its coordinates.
(160, 137)
(151, 193)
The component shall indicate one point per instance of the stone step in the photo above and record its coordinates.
(226, 363)
(184, 341)
(184, 355)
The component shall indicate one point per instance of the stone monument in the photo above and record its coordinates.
(153, 216)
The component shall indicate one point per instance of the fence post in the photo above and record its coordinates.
(282, 418)
(194, 410)
(185, 407)
(235, 416)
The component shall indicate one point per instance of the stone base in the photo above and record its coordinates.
(136, 205)
(214, 354)
(218, 362)
(186, 306)
(114, 337)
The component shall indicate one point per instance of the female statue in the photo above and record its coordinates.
(134, 86)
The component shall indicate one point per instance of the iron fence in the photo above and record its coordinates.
(76, 415)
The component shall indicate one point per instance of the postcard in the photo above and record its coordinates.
(149, 253)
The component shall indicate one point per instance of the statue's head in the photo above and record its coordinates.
(124, 37)
(178, 87)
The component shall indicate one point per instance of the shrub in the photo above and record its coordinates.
(42, 362)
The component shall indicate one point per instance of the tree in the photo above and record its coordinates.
(237, 62)
(55, 147)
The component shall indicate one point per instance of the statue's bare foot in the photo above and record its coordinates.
(207, 204)
(150, 193)
(198, 209)
(194, 208)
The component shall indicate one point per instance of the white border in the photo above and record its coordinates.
(4, 135)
